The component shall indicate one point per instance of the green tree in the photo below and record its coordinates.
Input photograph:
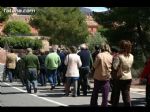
(16, 28)
(131, 23)
(96, 39)
(3, 15)
(64, 25)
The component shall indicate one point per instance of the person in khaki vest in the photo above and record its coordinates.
(11, 60)
(102, 66)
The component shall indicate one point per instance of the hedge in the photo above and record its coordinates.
(20, 42)
(16, 28)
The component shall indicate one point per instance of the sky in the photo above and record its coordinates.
(97, 9)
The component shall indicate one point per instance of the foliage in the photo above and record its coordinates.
(131, 23)
(64, 25)
(3, 15)
(96, 39)
(20, 42)
(16, 28)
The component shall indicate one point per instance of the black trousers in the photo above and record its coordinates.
(113, 85)
(147, 94)
(83, 80)
(124, 87)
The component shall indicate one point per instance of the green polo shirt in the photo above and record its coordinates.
(52, 61)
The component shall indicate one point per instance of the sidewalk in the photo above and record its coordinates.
(136, 84)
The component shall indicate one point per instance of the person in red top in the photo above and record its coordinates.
(145, 74)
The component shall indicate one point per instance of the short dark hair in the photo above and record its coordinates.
(73, 49)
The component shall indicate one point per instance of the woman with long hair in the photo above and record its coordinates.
(123, 64)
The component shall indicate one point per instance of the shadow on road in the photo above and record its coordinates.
(13, 93)
(138, 101)
(51, 95)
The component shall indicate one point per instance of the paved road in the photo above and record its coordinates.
(1, 71)
(13, 94)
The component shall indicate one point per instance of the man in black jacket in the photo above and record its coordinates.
(87, 62)
(42, 74)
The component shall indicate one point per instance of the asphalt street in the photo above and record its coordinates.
(14, 94)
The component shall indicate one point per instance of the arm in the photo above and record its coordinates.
(79, 62)
(66, 60)
(97, 62)
(91, 61)
(38, 64)
(59, 61)
(46, 61)
(116, 62)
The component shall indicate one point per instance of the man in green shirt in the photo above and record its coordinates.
(32, 67)
(52, 62)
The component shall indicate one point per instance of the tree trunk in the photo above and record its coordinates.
(139, 31)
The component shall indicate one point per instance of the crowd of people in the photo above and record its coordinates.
(110, 68)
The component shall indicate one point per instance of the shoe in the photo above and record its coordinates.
(84, 94)
(35, 90)
(66, 94)
(74, 95)
(53, 87)
(28, 91)
(88, 87)
(58, 84)
(110, 102)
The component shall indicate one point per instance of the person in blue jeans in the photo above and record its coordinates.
(52, 62)
(32, 79)
(11, 60)
(32, 67)
(52, 77)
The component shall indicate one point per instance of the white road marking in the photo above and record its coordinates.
(52, 101)
(136, 91)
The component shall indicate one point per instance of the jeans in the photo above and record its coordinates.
(29, 87)
(31, 79)
(74, 81)
(52, 77)
(105, 86)
(9, 73)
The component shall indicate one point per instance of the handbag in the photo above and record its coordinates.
(119, 70)
(117, 73)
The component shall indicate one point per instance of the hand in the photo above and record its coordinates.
(38, 71)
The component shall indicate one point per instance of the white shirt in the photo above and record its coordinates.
(73, 62)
